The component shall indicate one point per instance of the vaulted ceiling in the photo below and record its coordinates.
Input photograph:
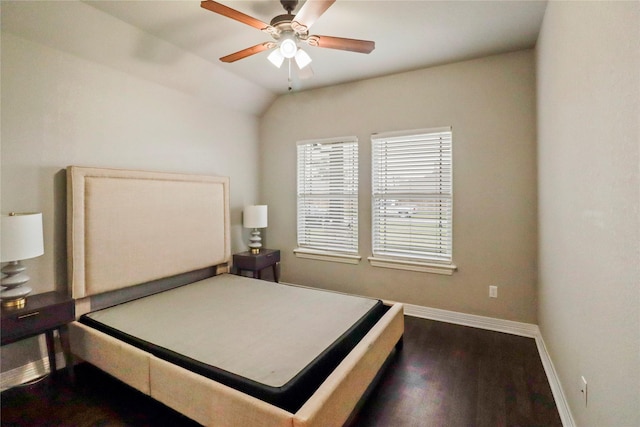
(408, 34)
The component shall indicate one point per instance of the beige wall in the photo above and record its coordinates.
(589, 184)
(61, 109)
(490, 103)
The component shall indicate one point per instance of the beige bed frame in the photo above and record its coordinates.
(131, 227)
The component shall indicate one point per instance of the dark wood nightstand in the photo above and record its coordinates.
(42, 314)
(246, 261)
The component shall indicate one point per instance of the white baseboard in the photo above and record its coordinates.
(529, 330)
(29, 372)
(554, 382)
(507, 326)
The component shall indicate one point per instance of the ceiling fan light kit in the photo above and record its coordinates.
(276, 58)
(288, 30)
(302, 58)
(288, 46)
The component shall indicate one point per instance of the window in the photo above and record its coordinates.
(412, 200)
(328, 199)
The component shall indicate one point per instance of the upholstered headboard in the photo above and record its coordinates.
(129, 227)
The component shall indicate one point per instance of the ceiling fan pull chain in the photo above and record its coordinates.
(289, 75)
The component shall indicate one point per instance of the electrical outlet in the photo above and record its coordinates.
(583, 390)
(493, 291)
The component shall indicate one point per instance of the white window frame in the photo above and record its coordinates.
(424, 250)
(312, 241)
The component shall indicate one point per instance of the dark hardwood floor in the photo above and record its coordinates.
(446, 375)
(451, 375)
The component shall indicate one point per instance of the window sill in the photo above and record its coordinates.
(327, 256)
(423, 267)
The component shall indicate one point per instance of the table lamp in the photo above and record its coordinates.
(255, 217)
(21, 238)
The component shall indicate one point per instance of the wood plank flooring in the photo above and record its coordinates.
(451, 375)
(446, 375)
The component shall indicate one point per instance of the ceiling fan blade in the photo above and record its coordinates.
(309, 13)
(247, 52)
(352, 45)
(233, 14)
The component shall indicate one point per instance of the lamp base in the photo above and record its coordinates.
(255, 241)
(14, 294)
(15, 297)
(15, 276)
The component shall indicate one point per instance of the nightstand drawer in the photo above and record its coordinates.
(247, 261)
(40, 314)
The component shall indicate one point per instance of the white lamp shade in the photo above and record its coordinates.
(255, 216)
(21, 236)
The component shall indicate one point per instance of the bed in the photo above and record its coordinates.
(149, 261)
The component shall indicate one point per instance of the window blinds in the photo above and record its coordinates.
(328, 195)
(412, 195)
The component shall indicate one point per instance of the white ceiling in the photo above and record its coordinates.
(408, 34)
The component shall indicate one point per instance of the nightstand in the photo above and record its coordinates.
(246, 261)
(42, 314)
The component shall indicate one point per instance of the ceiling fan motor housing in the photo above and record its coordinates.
(281, 21)
(285, 24)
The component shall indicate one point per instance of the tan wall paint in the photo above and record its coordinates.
(490, 103)
(588, 71)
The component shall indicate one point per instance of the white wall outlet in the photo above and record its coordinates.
(583, 390)
(493, 291)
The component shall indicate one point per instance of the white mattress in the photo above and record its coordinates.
(263, 331)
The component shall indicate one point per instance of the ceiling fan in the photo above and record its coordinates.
(288, 31)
